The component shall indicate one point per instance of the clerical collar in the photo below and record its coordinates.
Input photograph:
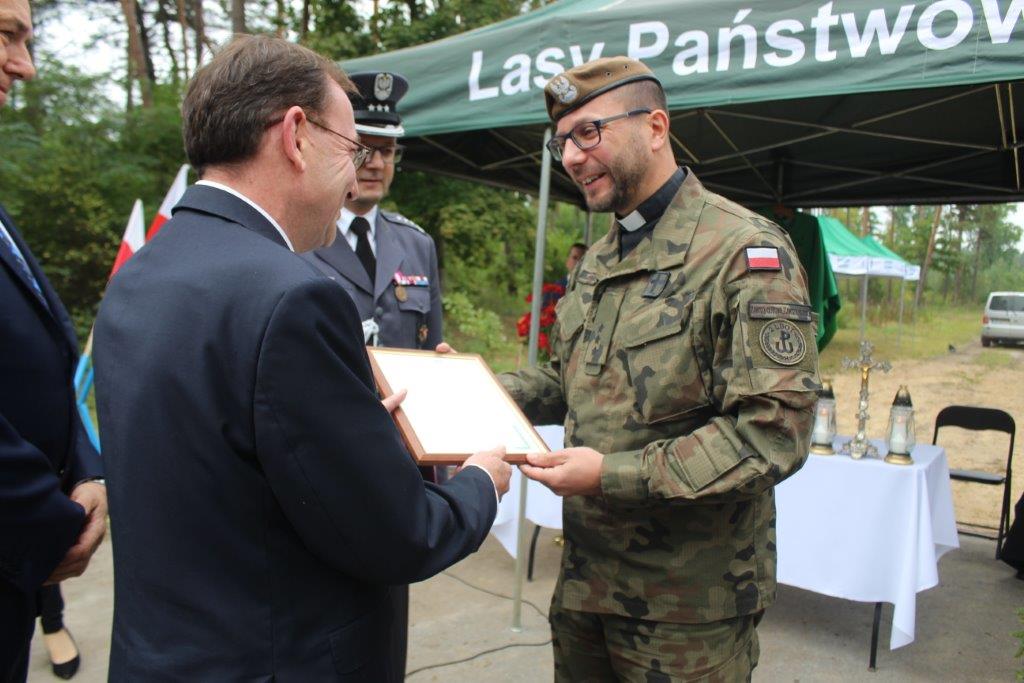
(652, 208)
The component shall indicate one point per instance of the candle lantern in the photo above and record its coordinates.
(901, 429)
(824, 430)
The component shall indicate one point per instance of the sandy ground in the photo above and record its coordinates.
(971, 375)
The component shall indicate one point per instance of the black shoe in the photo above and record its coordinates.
(66, 670)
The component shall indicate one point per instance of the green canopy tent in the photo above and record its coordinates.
(804, 104)
(891, 264)
(863, 258)
(778, 102)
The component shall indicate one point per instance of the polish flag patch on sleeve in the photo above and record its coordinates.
(763, 258)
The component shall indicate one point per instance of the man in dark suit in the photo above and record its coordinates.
(262, 501)
(52, 511)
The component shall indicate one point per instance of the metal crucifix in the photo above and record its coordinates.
(859, 446)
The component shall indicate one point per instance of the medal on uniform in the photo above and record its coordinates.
(400, 293)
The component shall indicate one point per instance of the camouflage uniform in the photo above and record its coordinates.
(669, 364)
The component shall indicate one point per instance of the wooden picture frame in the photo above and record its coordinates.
(455, 407)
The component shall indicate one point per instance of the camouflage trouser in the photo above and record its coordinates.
(592, 648)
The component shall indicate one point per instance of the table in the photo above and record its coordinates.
(860, 530)
(543, 507)
(867, 530)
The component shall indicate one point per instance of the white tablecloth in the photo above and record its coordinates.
(542, 506)
(861, 530)
(867, 530)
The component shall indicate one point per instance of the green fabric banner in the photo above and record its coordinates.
(806, 233)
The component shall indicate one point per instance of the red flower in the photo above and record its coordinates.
(551, 293)
(547, 316)
(523, 325)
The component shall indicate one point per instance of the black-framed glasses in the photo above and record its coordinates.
(359, 154)
(586, 135)
(389, 154)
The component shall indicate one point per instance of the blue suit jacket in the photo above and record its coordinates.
(44, 450)
(261, 498)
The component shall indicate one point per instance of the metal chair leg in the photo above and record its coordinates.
(1004, 517)
(874, 636)
(533, 550)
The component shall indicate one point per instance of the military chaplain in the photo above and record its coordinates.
(386, 263)
(684, 367)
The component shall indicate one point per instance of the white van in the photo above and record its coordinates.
(1004, 318)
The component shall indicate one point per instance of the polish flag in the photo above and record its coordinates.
(763, 257)
(173, 195)
(134, 238)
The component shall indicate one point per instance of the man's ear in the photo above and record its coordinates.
(295, 137)
(659, 129)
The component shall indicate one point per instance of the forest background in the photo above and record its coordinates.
(80, 145)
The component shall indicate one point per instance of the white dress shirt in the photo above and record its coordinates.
(229, 190)
(11, 240)
(345, 223)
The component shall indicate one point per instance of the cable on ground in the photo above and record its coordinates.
(492, 650)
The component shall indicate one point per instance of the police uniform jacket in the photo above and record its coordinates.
(409, 315)
(691, 365)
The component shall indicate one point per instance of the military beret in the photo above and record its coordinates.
(375, 108)
(572, 89)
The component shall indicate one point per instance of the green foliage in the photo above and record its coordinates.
(478, 330)
(339, 31)
(484, 236)
(76, 168)
(924, 335)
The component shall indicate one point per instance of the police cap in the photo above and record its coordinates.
(376, 106)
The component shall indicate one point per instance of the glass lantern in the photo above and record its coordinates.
(902, 436)
(824, 431)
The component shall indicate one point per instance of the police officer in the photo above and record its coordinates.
(386, 263)
(684, 367)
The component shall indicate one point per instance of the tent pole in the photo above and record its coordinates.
(863, 305)
(899, 329)
(588, 228)
(538, 283)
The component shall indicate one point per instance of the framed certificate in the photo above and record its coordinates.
(455, 406)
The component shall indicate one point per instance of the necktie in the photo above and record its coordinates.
(21, 264)
(361, 227)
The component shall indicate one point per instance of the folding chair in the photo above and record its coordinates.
(979, 419)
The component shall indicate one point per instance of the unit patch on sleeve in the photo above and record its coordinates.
(763, 258)
(783, 342)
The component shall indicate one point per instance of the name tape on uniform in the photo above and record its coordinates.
(761, 310)
(763, 258)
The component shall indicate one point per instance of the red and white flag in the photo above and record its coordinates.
(173, 195)
(134, 238)
(763, 258)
